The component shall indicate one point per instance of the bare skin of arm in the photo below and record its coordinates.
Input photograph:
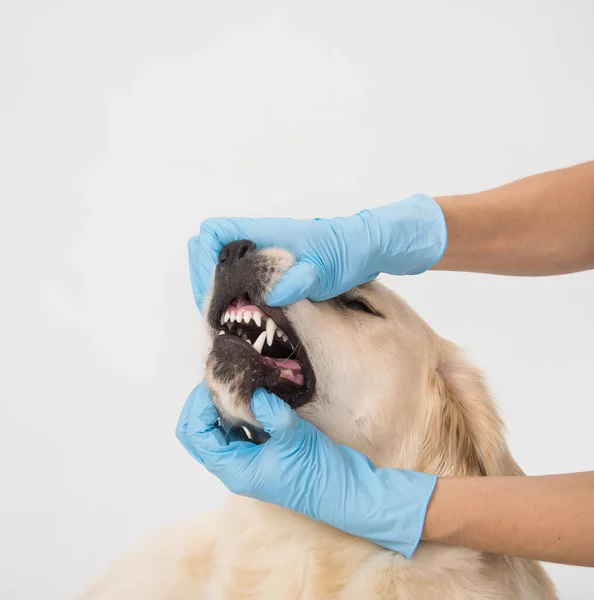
(540, 225)
(548, 518)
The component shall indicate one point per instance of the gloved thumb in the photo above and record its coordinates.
(277, 418)
(300, 281)
(202, 264)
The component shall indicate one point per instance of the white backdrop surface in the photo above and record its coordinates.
(124, 124)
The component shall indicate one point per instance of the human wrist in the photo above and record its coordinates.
(444, 521)
(407, 237)
(401, 499)
(470, 228)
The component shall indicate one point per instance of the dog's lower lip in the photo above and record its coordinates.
(289, 370)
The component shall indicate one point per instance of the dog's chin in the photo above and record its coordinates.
(242, 369)
(237, 363)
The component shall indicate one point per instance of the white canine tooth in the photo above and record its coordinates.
(259, 343)
(270, 329)
(258, 318)
(221, 332)
(226, 316)
(223, 319)
(247, 432)
(247, 316)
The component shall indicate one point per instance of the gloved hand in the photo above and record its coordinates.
(334, 255)
(300, 468)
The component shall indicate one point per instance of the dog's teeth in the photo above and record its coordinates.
(285, 338)
(229, 325)
(223, 319)
(279, 333)
(247, 432)
(226, 316)
(233, 315)
(239, 331)
(258, 318)
(270, 329)
(259, 343)
(221, 332)
(247, 316)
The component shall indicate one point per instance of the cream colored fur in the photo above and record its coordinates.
(392, 389)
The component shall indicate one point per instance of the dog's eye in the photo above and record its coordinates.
(356, 304)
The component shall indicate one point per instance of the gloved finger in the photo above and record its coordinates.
(204, 250)
(203, 256)
(199, 415)
(300, 281)
(201, 270)
(370, 278)
(182, 422)
(277, 418)
(220, 231)
(181, 430)
(203, 416)
(206, 438)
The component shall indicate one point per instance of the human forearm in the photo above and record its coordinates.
(540, 225)
(548, 518)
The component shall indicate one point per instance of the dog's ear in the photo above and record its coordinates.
(464, 435)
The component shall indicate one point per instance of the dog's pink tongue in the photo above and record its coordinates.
(285, 363)
(295, 378)
(289, 369)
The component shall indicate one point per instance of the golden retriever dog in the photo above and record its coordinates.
(371, 374)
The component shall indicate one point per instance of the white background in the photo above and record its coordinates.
(123, 124)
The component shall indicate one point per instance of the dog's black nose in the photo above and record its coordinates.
(235, 251)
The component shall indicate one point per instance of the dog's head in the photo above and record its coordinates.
(363, 367)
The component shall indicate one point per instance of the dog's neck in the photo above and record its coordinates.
(463, 434)
(446, 422)
(452, 427)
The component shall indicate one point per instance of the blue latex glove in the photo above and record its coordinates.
(300, 468)
(334, 255)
